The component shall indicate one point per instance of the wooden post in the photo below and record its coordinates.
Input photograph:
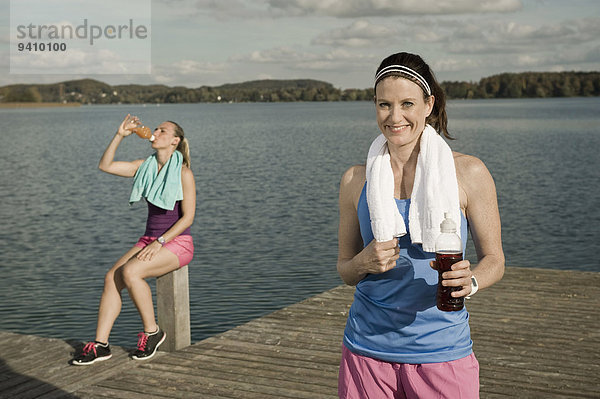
(173, 308)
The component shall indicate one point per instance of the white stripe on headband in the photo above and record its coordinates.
(405, 70)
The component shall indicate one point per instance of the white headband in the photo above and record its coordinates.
(406, 71)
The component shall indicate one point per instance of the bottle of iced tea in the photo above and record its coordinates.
(144, 132)
(448, 251)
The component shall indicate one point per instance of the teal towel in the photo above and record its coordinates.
(163, 188)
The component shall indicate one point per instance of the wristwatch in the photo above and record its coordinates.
(474, 287)
(161, 240)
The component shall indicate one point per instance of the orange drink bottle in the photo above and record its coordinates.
(144, 132)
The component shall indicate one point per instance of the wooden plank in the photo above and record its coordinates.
(245, 349)
(236, 373)
(174, 386)
(262, 363)
(47, 372)
(276, 359)
(535, 334)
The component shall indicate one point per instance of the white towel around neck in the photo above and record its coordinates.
(435, 191)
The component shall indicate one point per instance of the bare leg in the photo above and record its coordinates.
(133, 274)
(110, 302)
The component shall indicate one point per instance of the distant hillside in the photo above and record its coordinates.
(274, 84)
(95, 92)
(528, 85)
(89, 91)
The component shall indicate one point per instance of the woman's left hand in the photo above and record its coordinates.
(149, 251)
(458, 276)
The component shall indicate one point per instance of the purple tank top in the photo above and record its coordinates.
(160, 220)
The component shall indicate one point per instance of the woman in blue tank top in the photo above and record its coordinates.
(166, 181)
(397, 344)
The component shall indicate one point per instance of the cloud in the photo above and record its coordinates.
(483, 44)
(221, 10)
(454, 47)
(274, 55)
(193, 73)
(574, 58)
(363, 33)
(298, 59)
(191, 67)
(508, 37)
(562, 60)
(472, 36)
(455, 64)
(389, 8)
(360, 33)
(77, 61)
(335, 8)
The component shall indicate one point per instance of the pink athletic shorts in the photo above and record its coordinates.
(182, 246)
(366, 378)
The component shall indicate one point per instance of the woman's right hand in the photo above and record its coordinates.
(128, 123)
(107, 162)
(378, 257)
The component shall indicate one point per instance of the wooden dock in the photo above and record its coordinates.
(536, 335)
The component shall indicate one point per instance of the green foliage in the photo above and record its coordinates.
(21, 94)
(506, 85)
(528, 84)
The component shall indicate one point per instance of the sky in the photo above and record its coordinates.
(196, 43)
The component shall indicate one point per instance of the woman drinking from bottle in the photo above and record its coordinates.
(166, 182)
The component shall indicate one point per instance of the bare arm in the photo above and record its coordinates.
(484, 221)
(119, 168)
(355, 262)
(481, 208)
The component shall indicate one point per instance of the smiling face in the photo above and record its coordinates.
(164, 136)
(401, 110)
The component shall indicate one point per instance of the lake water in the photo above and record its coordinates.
(267, 177)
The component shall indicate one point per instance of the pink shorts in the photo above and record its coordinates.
(181, 246)
(366, 378)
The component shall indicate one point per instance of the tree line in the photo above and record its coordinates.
(528, 85)
(506, 85)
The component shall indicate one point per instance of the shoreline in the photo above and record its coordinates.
(17, 105)
(38, 105)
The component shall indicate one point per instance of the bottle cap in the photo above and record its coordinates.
(448, 225)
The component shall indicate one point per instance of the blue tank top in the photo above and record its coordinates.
(394, 315)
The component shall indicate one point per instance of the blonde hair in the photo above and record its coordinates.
(183, 147)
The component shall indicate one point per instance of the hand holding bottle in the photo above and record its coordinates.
(451, 267)
(459, 275)
(132, 124)
(129, 123)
